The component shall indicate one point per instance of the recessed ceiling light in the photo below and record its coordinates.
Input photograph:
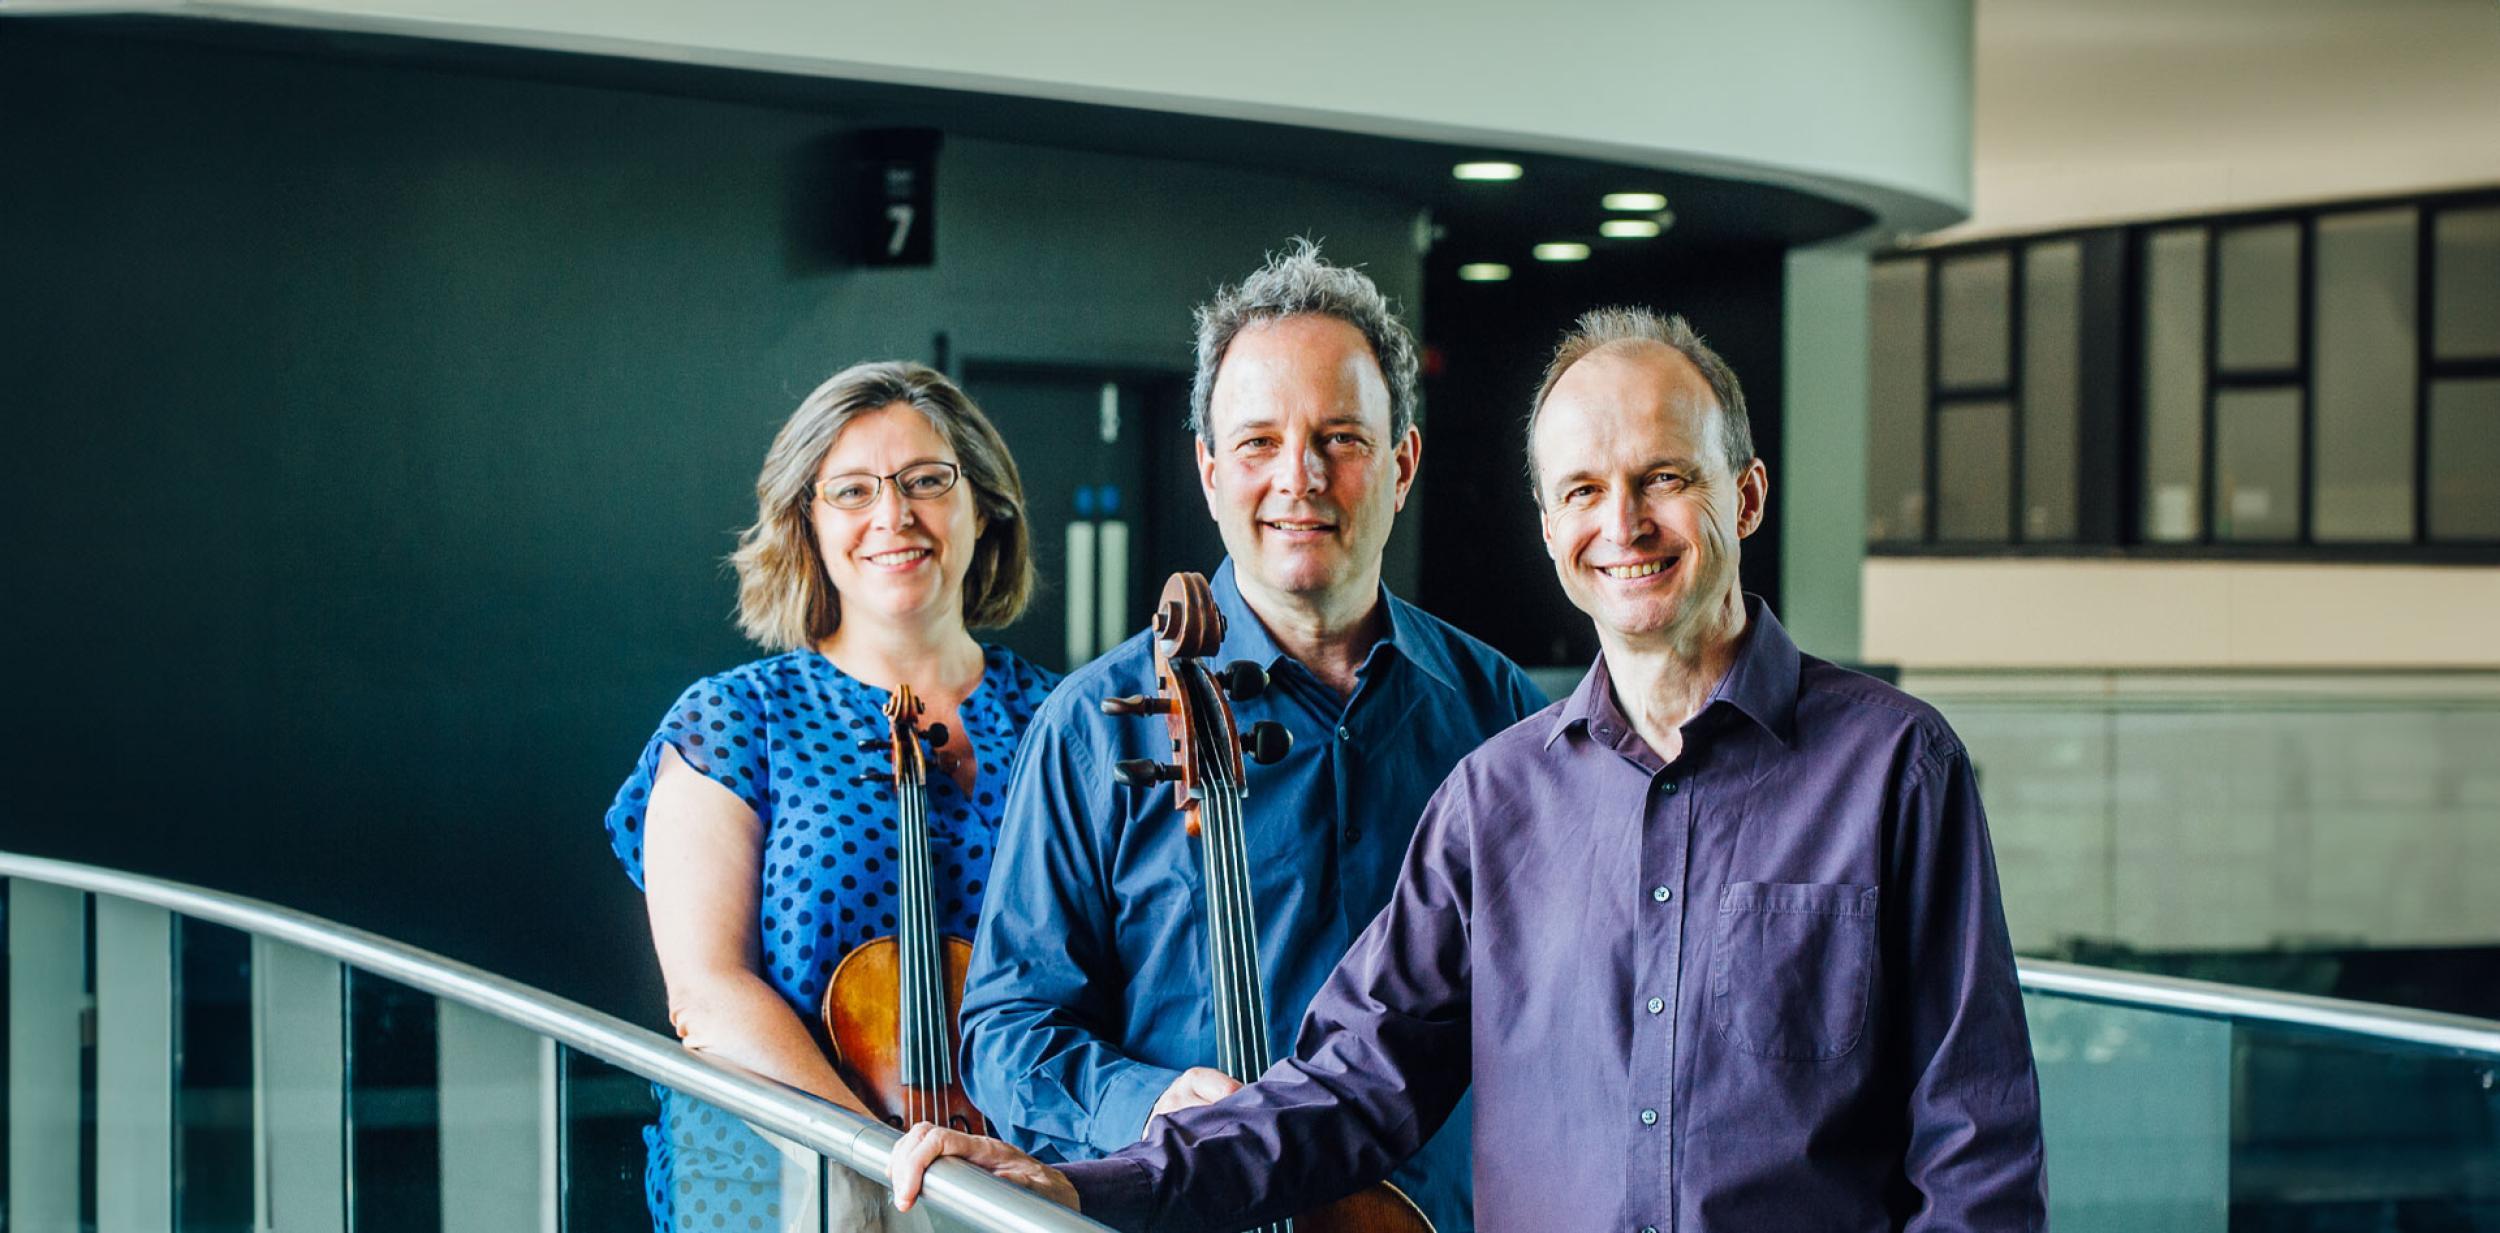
(1483, 272)
(1563, 251)
(1636, 201)
(1486, 171)
(1628, 228)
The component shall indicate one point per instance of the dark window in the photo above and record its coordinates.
(1896, 439)
(2257, 451)
(2174, 385)
(2466, 306)
(2465, 459)
(2257, 298)
(2052, 388)
(1976, 296)
(1974, 472)
(2322, 378)
(2364, 376)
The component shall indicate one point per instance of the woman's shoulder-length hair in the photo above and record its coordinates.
(784, 599)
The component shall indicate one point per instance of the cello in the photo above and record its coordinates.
(1206, 769)
(890, 1008)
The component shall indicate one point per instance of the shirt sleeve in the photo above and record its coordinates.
(1974, 1118)
(717, 727)
(1381, 1059)
(1043, 993)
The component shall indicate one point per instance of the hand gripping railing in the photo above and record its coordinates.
(953, 1189)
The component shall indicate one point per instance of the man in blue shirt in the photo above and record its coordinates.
(1086, 1011)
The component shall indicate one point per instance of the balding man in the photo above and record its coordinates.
(1717, 939)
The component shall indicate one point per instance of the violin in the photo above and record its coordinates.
(1206, 768)
(891, 1006)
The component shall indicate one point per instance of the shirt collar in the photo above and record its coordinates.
(1246, 637)
(1761, 684)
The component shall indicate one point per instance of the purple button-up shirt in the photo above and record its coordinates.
(1764, 986)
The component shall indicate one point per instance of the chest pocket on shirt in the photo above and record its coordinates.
(1790, 974)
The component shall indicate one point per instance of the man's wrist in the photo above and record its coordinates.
(1115, 1190)
(1127, 1101)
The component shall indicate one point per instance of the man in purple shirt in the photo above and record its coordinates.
(1717, 939)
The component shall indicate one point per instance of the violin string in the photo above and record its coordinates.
(923, 943)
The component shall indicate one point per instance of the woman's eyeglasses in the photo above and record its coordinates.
(921, 481)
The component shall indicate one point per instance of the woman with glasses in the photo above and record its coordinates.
(889, 525)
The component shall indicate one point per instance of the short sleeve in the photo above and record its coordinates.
(717, 726)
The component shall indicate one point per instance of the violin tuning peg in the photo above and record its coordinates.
(937, 735)
(1144, 772)
(1244, 680)
(866, 778)
(1137, 704)
(1266, 741)
(875, 746)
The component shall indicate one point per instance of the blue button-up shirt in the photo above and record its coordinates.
(1089, 993)
(1764, 986)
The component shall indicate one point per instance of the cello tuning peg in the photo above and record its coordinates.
(875, 746)
(1266, 741)
(1144, 772)
(1137, 704)
(1244, 679)
(937, 735)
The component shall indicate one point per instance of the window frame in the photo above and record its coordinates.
(2110, 408)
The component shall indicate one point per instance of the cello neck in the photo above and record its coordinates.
(1232, 919)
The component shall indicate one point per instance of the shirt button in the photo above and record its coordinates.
(1353, 834)
(1344, 733)
(1649, 1228)
(1661, 894)
(1649, 1117)
(1657, 1004)
(1667, 788)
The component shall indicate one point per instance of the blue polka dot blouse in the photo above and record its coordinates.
(783, 733)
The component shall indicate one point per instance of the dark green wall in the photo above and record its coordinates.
(375, 431)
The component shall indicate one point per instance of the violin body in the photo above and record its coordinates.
(861, 1014)
(891, 1004)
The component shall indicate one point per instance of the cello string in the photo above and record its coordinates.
(1224, 906)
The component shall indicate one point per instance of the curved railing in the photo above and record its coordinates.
(956, 1191)
(2167, 1103)
(2460, 1034)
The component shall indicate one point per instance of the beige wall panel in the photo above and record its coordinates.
(1935, 613)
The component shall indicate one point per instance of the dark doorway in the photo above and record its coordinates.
(1111, 487)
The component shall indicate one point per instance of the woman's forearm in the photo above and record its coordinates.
(736, 1017)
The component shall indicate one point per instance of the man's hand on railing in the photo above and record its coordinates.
(923, 1144)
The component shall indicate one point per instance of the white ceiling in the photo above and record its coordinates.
(2092, 111)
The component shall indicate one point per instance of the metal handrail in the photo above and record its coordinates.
(960, 1190)
(838, 1134)
(2208, 999)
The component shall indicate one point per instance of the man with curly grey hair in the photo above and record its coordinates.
(1086, 1013)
